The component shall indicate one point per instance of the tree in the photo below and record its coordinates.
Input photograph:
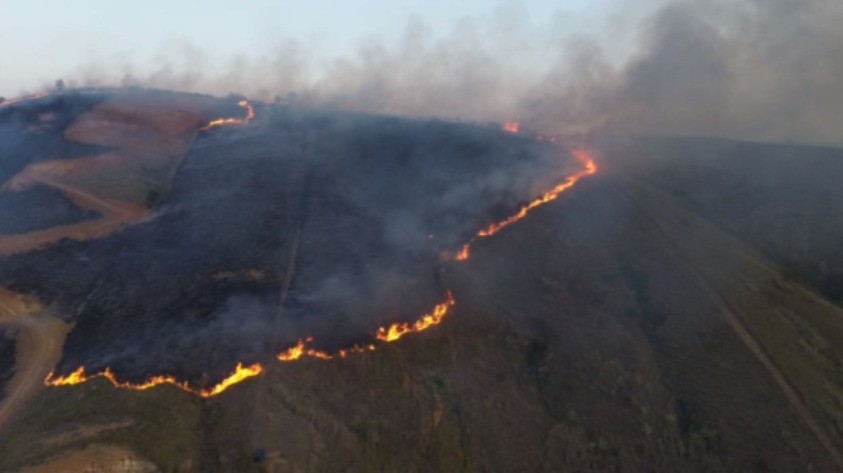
(60, 85)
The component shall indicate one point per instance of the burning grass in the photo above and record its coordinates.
(390, 333)
(151, 142)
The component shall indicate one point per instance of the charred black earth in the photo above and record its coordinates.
(303, 223)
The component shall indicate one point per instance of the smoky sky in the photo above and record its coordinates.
(748, 69)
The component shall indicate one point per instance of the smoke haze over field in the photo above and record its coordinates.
(752, 69)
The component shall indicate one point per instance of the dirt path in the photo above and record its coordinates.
(12, 244)
(749, 341)
(114, 215)
(88, 201)
(155, 138)
(781, 380)
(39, 340)
(125, 123)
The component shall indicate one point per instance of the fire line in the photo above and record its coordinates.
(250, 115)
(589, 168)
(29, 98)
(240, 373)
(300, 350)
(386, 334)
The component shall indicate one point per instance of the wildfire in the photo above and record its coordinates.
(294, 352)
(250, 115)
(590, 167)
(387, 334)
(300, 350)
(10, 102)
(384, 334)
(513, 126)
(464, 252)
(396, 331)
(240, 373)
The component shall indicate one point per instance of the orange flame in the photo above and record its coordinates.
(250, 115)
(513, 126)
(294, 352)
(396, 331)
(300, 350)
(464, 252)
(385, 334)
(240, 373)
(590, 167)
(10, 102)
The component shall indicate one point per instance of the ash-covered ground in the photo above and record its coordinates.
(304, 223)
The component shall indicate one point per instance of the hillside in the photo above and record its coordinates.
(678, 311)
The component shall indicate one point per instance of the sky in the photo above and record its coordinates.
(748, 69)
(43, 40)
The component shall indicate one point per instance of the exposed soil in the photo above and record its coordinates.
(38, 343)
(147, 138)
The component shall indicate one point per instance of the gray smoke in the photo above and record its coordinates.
(751, 69)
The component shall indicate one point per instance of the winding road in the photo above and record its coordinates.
(39, 340)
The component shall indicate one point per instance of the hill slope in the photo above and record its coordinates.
(651, 319)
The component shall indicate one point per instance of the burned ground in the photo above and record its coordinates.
(355, 212)
(7, 357)
(33, 132)
(46, 208)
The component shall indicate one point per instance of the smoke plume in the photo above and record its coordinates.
(751, 69)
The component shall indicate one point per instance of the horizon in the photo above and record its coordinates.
(745, 69)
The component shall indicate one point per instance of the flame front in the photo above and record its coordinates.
(294, 352)
(10, 102)
(464, 252)
(240, 373)
(589, 168)
(387, 334)
(250, 115)
(513, 126)
(398, 330)
(76, 377)
(300, 350)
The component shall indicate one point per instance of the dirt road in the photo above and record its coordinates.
(114, 215)
(39, 340)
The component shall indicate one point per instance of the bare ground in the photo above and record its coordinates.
(39, 341)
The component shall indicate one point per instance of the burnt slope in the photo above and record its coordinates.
(348, 215)
(7, 357)
(36, 209)
(595, 335)
(33, 131)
